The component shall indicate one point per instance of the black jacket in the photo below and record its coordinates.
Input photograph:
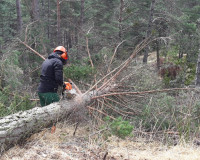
(51, 74)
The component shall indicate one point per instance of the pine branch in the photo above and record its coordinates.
(143, 92)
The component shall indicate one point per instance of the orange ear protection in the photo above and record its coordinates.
(62, 49)
(64, 56)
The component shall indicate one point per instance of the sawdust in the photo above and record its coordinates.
(62, 145)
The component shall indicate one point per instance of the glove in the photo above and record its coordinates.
(67, 85)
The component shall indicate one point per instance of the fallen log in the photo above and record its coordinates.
(17, 127)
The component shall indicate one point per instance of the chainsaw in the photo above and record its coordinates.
(68, 91)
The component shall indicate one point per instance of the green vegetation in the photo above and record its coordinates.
(79, 72)
(12, 103)
(121, 128)
(118, 127)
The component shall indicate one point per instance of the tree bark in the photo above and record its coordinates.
(82, 13)
(158, 54)
(197, 83)
(17, 127)
(48, 20)
(120, 18)
(19, 16)
(58, 23)
(35, 10)
(148, 33)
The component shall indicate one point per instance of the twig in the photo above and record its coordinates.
(101, 80)
(119, 104)
(101, 103)
(34, 99)
(97, 118)
(27, 30)
(112, 108)
(89, 55)
(121, 111)
(76, 88)
(122, 98)
(77, 124)
(32, 72)
(167, 132)
(104, 157)
(114, 55)
(101, 112)
(88, 50)
(139, 47)
(144, 92)
(98, 132)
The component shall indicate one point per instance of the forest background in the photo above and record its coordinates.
(95, 30)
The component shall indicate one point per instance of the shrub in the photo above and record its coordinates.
(121, 128)
(12, 103)
(160, 113)
(78, 72)
(118, 127)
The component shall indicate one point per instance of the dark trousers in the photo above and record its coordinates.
(48, 98)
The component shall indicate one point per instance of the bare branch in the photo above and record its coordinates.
(26, 31)
(101, 112)
(31, 49)
(144, 92)
(114, 55)
(138, 48)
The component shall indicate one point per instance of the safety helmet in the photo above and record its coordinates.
(62, 49)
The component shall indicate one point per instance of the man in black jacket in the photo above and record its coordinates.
(52, 76)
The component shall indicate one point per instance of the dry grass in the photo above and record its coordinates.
(62, 145)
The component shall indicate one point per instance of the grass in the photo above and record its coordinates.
(63, 145)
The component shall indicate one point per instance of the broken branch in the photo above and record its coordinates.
(31, 49)
(144, 92)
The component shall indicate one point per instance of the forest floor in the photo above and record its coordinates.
(90, 145)
(62, 145)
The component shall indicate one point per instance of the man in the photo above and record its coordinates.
(52, 76)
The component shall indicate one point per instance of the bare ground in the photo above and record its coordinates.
(89, 145)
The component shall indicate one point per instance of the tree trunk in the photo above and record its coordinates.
(48, 20)
(120, 18)
(35, 10)
(17, 127)
(197, 84)
(77, 41)
(158, 54)
(58, 23)
(19, 16)
(148, 33)
(82, 13)
(69, 39)
(79, 36)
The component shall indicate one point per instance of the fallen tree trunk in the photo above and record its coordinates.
(17, 127)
